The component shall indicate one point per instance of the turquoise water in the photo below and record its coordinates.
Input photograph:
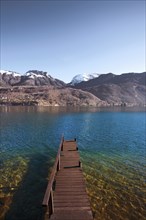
(112, 148)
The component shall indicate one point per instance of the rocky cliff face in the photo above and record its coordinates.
(125, 89)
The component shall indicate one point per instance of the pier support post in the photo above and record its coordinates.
(80, 164)
(62, 145)
(51, 204)
(58, 164)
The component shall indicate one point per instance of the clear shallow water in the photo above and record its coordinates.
(112, 147)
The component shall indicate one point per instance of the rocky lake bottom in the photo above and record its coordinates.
(111, 142)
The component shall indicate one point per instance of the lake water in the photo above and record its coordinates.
(112, 147)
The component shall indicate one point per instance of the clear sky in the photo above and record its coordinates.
(66, 38)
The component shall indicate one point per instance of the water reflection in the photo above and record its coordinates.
(59, 109)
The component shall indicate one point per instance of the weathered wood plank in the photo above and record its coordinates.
(70, 197)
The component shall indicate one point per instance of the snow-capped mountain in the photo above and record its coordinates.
(12, 73)
(83, 77)
(40, 78)
(30, 78)
(9, 78)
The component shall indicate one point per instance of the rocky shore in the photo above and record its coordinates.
(48, 96)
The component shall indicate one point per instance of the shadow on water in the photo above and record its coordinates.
(27, 200)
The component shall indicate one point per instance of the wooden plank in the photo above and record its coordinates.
(70, 197)
(74, 214)
(71, 204)
(70, 193)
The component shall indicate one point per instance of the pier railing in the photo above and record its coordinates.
(48, 202)
(48, 198)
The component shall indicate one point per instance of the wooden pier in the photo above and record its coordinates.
(66, 197)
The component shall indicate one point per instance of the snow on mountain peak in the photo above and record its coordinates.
(37, 74)
(83, 77)
(6, 72)
(32, 74)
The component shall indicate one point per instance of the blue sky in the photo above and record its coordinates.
(66, 38)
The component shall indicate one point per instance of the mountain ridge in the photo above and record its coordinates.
(30, 78)
(83, 77)
(127, 89)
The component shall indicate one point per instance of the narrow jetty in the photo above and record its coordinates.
(66, 197)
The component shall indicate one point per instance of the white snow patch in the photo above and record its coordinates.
(3, 71)
(14, 74)
(33, 75)
(83, 77)
(48, 75)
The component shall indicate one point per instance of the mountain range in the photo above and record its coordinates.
(30, 78)
(39, 88)
(126, 89)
